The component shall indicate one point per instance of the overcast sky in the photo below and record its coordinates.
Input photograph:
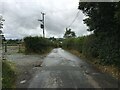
(21, 17)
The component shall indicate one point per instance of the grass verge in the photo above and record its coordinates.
(112, 70)
(8, 74)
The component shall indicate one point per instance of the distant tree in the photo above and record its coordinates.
(52, 39)
(69, 34)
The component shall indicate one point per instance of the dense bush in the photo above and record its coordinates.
(36, 44)
(90, 46)
(105, 49)
(109, 52)
(79, 44)
(104, 20)
(69, 43)
(74, 43)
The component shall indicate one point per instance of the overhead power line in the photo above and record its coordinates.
(74, 19)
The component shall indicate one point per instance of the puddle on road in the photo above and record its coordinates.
(55, 59)
(92, 81)
(59, 62)
(55, 51)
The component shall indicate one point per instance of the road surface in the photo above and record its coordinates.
(24, 65)
(61, 69)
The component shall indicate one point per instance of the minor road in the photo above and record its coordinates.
(61, 69)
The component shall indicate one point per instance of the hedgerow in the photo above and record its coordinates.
(104, 49)
(36, 44)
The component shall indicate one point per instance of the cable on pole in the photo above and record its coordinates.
(74, 19)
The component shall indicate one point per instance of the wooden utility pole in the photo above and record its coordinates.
(43, 15)
(43, 23)
(2, 39)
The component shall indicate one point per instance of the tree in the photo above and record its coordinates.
(104, 20)
(100, 16)
(69, 34)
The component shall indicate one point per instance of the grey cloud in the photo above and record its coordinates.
(21, 17)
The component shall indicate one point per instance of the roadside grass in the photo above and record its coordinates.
(8, 74)
(112, 70)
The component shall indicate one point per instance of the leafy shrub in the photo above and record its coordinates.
(90, 46)
(36, 44)
(79, 43)
(109, 52)
(103, 47)
(69, 43)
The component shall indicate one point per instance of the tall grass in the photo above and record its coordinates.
(8, 75)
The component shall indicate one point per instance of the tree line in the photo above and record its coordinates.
(103, 19)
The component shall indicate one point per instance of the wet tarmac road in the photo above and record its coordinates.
(61, 69)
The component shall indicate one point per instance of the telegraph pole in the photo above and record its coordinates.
(43, 15)
(2, 38)
(43, 23)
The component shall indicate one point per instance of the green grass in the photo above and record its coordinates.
(8, 74)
